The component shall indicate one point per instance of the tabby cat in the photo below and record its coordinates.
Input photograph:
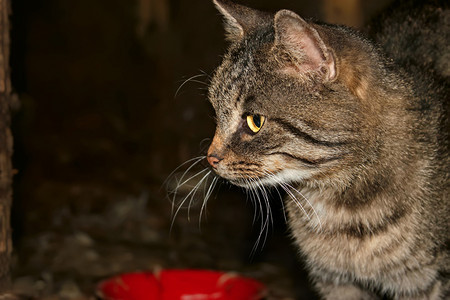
(354, 136)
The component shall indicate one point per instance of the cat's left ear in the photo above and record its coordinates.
(240, 20)
(305, 48)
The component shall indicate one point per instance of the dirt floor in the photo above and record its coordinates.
(75, 246)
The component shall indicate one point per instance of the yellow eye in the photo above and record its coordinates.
(255, 122)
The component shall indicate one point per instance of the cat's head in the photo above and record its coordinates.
(282, 114)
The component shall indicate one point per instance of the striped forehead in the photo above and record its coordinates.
(238, 72)
(232, 79)
(228, 106)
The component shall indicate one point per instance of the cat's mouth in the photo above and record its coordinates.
(245, 181)
(241, 174)
(257, 174)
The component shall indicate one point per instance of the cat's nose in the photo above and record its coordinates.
(213, 160)
(215, 151)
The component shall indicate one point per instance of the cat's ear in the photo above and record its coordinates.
(303, 45)
(240, 20)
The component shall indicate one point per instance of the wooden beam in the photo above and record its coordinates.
(6, 149)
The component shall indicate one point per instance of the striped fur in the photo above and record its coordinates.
(355, 139)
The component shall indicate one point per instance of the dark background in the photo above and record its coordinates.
(99, 125)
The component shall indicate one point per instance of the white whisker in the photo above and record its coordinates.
(190, 79)
(287, 189)
(171, 176)
(183, 183)
(282, 205)
(198, 158)
(194, 191)
(190, 194)
(206, 197)
(309, 203)
(258, 190)
(253, 199)
(187, 170)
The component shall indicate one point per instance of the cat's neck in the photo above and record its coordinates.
(388, 187)
(393, 156)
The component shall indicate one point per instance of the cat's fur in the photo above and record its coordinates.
(354, 134)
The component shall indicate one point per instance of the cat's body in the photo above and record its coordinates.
(355, 138)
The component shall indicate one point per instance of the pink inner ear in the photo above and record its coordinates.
(312, 52)
(303, 44)
(304, 49)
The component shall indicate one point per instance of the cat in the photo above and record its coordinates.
(355, 136)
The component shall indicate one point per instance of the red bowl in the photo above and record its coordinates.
(180, 285)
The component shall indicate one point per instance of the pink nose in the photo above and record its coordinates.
(213, 160)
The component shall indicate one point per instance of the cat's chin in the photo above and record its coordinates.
(239, 183)
(272, 179)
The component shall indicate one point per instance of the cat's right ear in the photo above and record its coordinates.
(302, 47)
(239, 20)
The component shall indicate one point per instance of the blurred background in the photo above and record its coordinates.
(105, 112)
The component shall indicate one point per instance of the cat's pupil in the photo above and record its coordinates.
(257, 121)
